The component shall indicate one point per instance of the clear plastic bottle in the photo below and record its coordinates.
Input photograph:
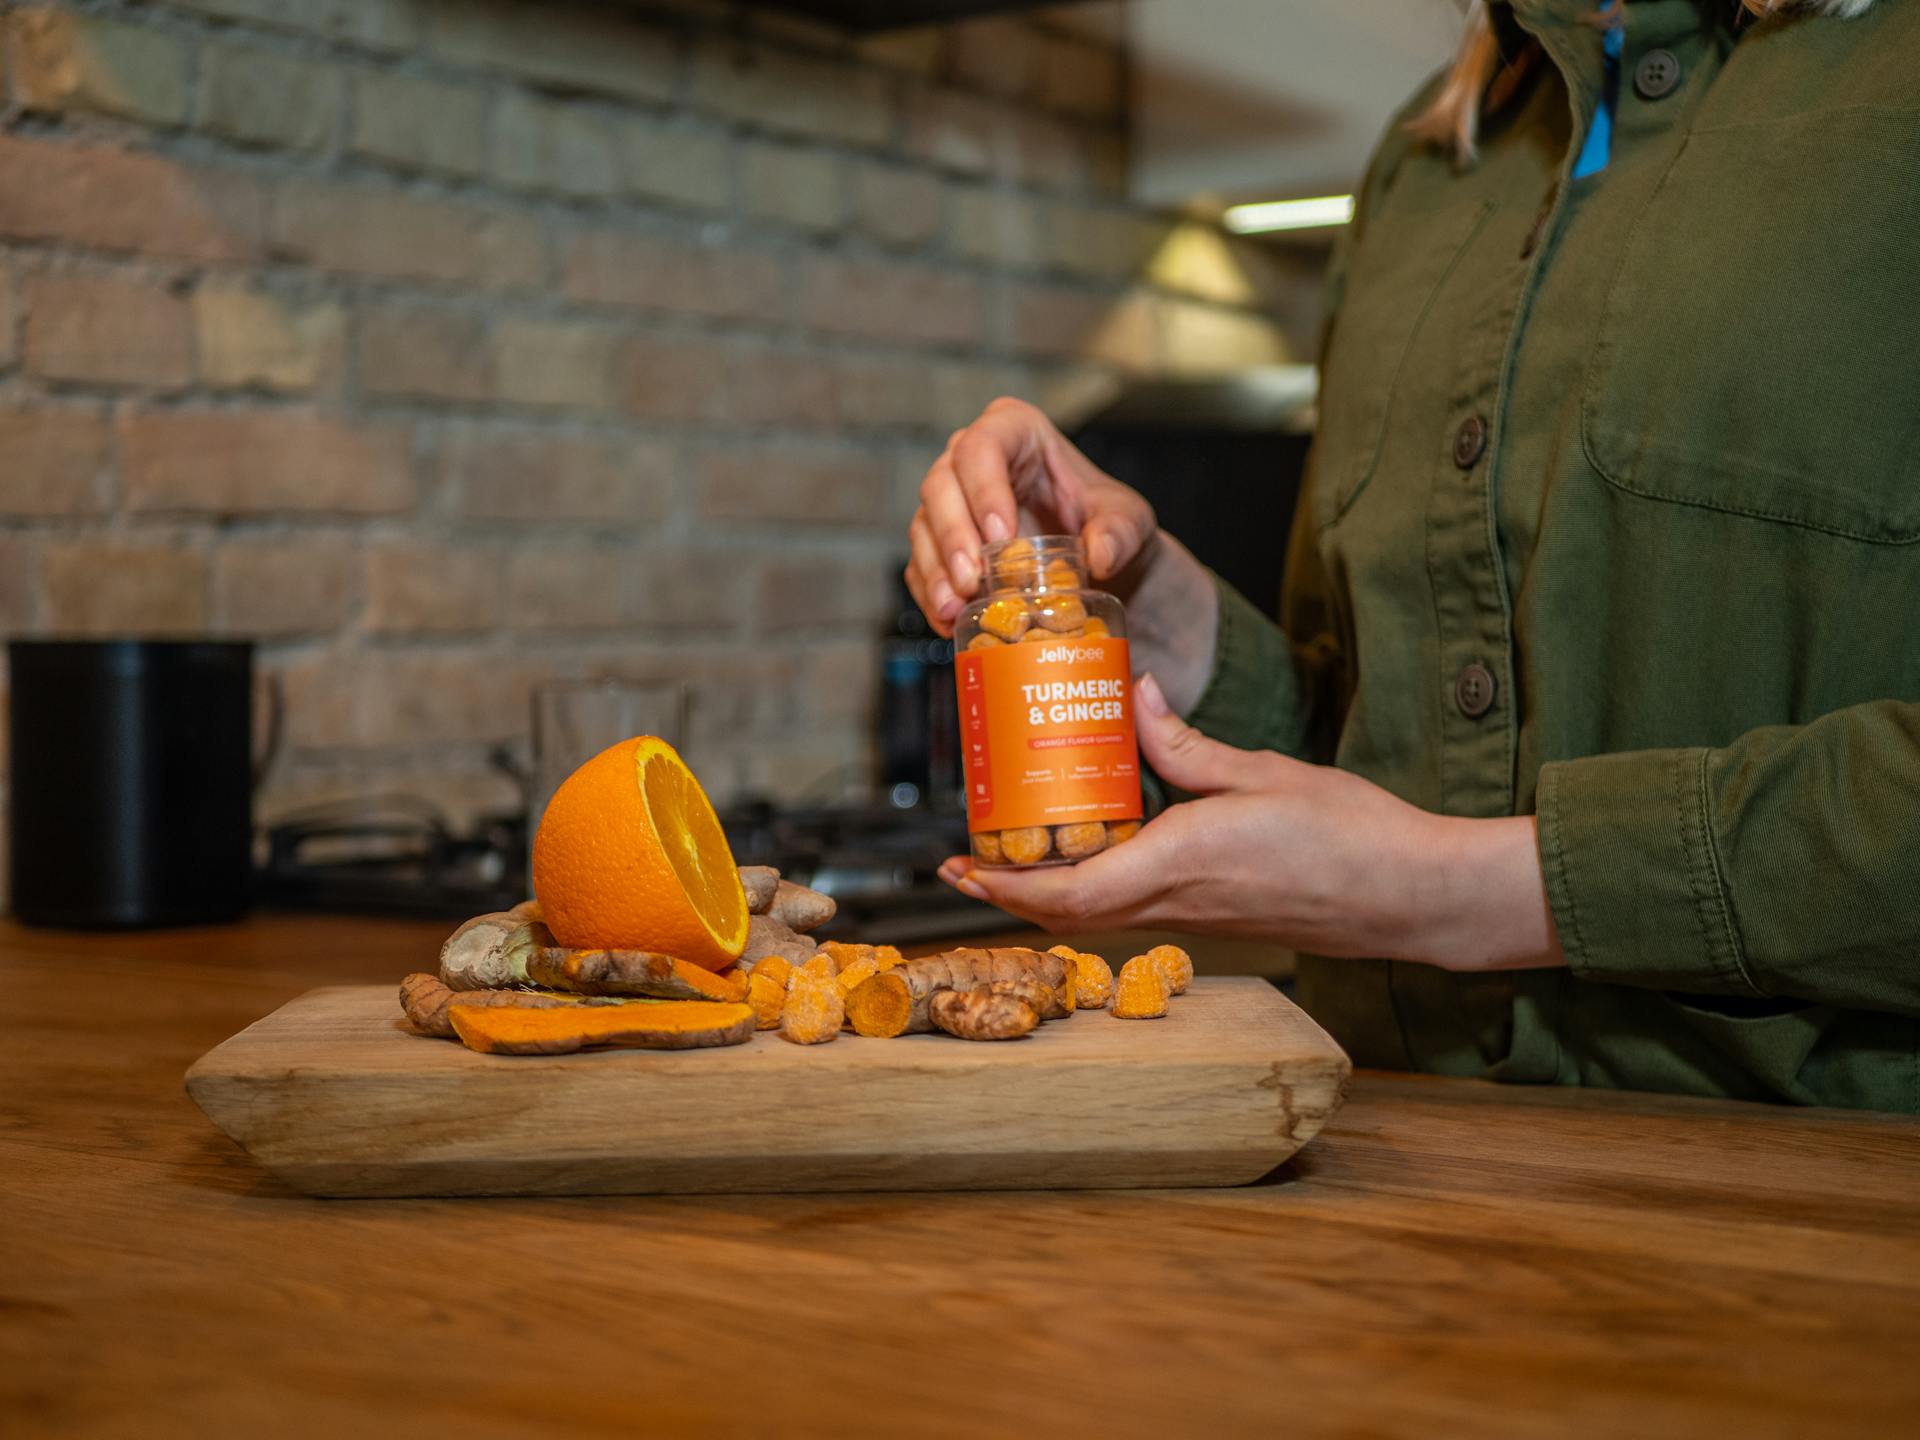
(1045, 685)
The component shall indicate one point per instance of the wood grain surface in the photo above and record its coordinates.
(336, 1095)
(1445, 1257)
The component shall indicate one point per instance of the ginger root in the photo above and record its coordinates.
(814, 1010)
(799, 908)
(759, 881)
(767, 936)
(982, 1014)
(630, 972)
(658, 1025)
(490, 951)
(1174, 965)
(1141, 991)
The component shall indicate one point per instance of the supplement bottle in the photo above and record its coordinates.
(1047, 743)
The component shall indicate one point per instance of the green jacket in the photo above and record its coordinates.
(1686, 555)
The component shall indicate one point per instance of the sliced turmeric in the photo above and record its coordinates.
(1141, 991)
(843, 954)
(426, 999)
(776, 969)
(665, 1025)
(852, 975)
(888, 956)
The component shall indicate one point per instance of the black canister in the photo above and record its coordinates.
(132, 781)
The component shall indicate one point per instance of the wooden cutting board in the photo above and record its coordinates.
(336, 1095)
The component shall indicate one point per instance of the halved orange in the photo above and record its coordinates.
(630, 856)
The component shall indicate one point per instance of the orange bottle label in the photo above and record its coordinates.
(1046, 733)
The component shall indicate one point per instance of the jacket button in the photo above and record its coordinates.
(1655, 77)
(1473, 690)
(1470, 442)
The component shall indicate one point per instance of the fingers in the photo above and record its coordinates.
(984, 457)
(1119, 524)
(1120, 887)
(927, 577)
(950, 525)
(1185, 758)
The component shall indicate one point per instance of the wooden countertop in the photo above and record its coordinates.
(1448, 1256)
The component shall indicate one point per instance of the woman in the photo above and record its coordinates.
(1603, 601)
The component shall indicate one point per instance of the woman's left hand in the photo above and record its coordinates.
(1306, 855)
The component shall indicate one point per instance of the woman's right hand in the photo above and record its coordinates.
(1012, 472)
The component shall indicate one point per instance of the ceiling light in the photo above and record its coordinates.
(1272, 215)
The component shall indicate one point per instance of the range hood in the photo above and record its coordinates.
(874, 15)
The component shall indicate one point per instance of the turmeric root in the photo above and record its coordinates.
(768, 936)
(1036, 996)
(664, 1025)
(814, 1010)
(630, 972)
(1174, 965)
(888, 956)
(1141, 991)
(768, 997)
(982, 1014)
(799, 908)
(759, 881)
(894, 1002)
(490, 951)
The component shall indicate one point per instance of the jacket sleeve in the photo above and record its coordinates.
(1785, 864)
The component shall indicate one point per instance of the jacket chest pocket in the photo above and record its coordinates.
(1759, 350)
(1390, 289)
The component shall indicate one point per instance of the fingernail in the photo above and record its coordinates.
(960, 566)
(1102, 554)
(994, 528)
(1148, 690)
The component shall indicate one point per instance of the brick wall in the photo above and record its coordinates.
(451, 345)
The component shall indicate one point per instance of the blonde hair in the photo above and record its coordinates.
(1478, 83)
